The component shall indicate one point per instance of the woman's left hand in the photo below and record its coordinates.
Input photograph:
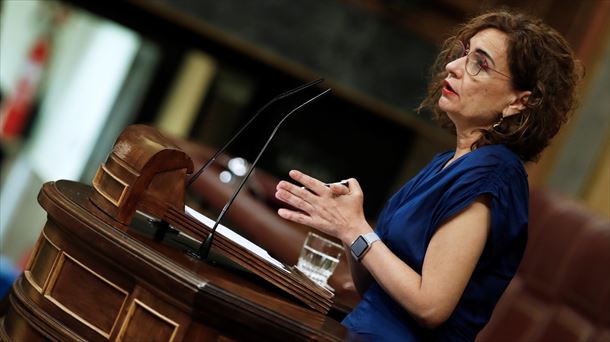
(336, 210)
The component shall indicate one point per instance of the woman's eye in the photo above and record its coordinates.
(481, 62)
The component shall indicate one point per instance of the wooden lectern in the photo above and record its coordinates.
(104, 268)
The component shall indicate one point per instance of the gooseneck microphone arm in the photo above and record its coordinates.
(205, 247)
(220, 150)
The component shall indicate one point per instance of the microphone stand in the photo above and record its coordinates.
(204, 249)
(220, 150)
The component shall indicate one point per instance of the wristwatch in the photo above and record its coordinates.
(362, 244)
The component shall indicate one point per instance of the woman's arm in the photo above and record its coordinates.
(450, 259)
(360, 275)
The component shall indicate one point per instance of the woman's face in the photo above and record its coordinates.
(478, 101)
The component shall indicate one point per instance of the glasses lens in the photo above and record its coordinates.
(474, 63)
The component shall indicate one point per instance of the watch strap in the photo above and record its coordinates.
(371, 237)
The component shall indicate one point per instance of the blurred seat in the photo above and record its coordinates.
(562, 289)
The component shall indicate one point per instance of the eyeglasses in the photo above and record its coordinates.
(475, 60)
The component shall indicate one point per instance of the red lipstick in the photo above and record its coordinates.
(447, 89)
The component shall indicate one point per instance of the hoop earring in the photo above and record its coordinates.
(497, 124)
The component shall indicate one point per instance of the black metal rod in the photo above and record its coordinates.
(220, 150)
(204, 249)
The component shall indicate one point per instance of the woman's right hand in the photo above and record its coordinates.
(336, 210)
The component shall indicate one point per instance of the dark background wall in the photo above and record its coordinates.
(345, 43)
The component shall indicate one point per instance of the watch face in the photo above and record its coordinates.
(359, 246)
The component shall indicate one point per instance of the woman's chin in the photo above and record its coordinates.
(444, 104)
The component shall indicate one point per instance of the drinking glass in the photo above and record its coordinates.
(319, 258)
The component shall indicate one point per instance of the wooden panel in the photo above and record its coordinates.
(16, 328)
(43, 261)
(109, 185)
(149, 312)
(86, 295)
(145, 323)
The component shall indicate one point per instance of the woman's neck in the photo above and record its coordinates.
(464, 141)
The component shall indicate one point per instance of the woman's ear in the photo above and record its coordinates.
(518, 104)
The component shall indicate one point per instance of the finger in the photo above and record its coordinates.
(298, 191)
(285, 185)
(309, 182)
(295, 216)
(293, 200)
(354, 186)
(339, 189)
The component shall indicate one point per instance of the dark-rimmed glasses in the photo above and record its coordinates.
(475, 60)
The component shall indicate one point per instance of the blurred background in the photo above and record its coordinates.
(75, 73)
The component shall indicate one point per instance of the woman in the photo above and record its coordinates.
(451, 238)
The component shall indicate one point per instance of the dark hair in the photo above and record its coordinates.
(540, 60)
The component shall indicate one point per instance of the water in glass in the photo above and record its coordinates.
(319, 258)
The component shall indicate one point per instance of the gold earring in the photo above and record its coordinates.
(497, 124)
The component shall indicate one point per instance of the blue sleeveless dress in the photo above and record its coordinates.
(421, 206)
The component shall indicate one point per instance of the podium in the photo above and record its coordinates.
(93, 277)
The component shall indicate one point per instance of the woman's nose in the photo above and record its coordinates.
(455, 67)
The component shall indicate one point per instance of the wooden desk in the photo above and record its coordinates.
(89, 280)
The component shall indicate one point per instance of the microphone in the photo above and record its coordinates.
(204, 249)
(220, 150)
